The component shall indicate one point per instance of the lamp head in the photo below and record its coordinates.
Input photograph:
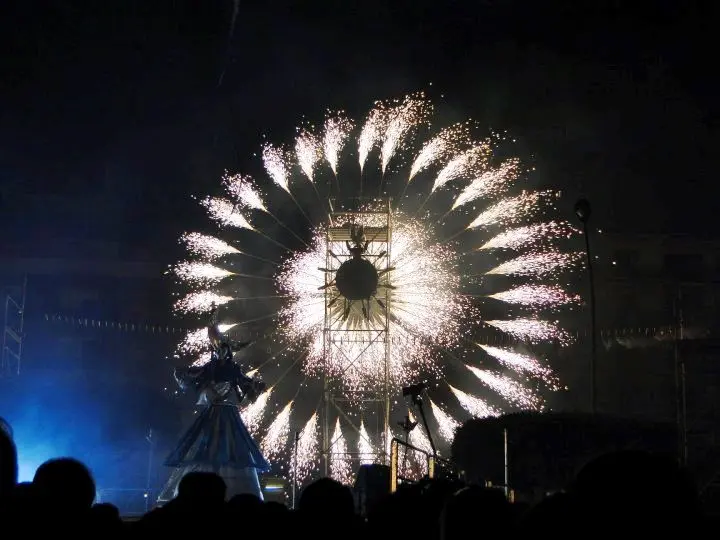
(583, 210)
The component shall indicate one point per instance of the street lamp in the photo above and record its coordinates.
(583, 211)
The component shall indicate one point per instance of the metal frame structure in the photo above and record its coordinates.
(336, 399)
(13, 333)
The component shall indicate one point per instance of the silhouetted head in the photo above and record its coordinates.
(106, 512)
(474, 507)
(66, 482)
(8, 464)
(244, 504)
(205, 488)
(638, 488)
(327, 498)
(551, 516)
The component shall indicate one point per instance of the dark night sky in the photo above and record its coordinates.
(119, 100)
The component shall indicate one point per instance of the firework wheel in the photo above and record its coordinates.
(459, 287)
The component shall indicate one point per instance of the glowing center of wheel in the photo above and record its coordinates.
(357, 279)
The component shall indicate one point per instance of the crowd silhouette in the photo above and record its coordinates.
(622, 493)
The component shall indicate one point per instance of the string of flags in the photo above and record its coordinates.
(659, 333)
(99, 324)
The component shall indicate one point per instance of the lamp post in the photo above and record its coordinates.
(583, 211)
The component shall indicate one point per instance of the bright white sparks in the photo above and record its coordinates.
(465, 165)
(441, 147)
(308, 151)
(447, 425)
(200, 273)
(511, 390)
(241, 188)
(201, 301)
(542, 264)
(202, 360)
(307, 450)
(536, 296)
(371, 132)
(276, 166)
(476, 406)
(531, 330)
(207, 247)
(489, 184)
(509, 211)
(340, 466)
(337, 131)
(413, 111)
(225, 213)
(425, 306)
(196, 341)
(252, 414)
(520, 363)
(418, 439)
(365, 446)
(276, 436)
(529, 235)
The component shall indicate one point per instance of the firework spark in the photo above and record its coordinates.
(512, 391)
(536, 296)
(467, 164)
(474, 405)
(413, 111)
(365, 446)
(337, 131)
(307, 450)
(242, 189)
(196, 341)
(200, 273)
(489, 183)
(340, 466)
(541, 264)
(531, 330)
(276, 165)
(442, 146)
(418, 438)
(428, 309)
(207, 247)
(308, 150)
(201, 302)
(252, 414)
(521, 363)
(510, 211)
(447, 425)
(226, 213)
(276, 436)
(529, 235)
(371, 133)
(202, 360)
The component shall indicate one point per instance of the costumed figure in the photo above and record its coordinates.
(218, 440)
(360, 244)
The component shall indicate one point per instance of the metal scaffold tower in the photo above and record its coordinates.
(13, 332)
(356, 333)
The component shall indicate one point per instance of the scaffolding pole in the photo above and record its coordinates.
(376, 330)
(13, 332)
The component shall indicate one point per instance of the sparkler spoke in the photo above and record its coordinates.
(277, 220)
(454, 236)
(417, 212)
(300, 208)
(404, 191)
